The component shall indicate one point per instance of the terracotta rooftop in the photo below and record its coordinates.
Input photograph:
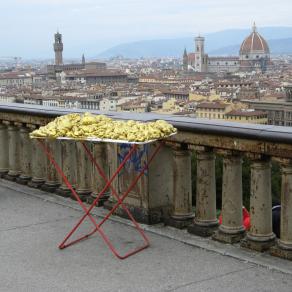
(211, 105)
(227, 58)
(254, 43)
(245, 113)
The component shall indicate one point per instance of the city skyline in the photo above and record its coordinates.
(92, 26)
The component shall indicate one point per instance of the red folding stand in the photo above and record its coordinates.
(120, 199)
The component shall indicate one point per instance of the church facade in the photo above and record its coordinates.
(254, 55)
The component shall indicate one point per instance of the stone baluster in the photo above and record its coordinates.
(84, 172)
(4, 162)
(14, 154)
(284, 244)
(182, 213)
(112, 160)
(231, 230)
(26, 155)
(260, 236)
(52, 180)
(205, 221)
(68, 162)
(38, 167)
(98, 183)
(144, 202)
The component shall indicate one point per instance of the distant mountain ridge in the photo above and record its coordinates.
(277, 47)
(225, 42)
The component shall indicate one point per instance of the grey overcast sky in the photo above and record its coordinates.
(90, 26)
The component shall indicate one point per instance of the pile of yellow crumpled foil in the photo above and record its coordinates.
(81, 126)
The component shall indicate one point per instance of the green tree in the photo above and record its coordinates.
(275, 180)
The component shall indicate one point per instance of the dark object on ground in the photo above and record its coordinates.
(276, 215)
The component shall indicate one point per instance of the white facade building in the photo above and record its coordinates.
(108, 104)
(254, 55)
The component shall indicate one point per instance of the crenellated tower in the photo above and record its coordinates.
(58, 48)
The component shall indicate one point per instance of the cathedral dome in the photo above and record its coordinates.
(254, 44)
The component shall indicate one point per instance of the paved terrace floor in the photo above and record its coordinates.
(33, 222)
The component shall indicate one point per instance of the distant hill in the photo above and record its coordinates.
(277, 46)
(225, 42)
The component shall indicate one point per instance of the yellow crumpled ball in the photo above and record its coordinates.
(102, 127)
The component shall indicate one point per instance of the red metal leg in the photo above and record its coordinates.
(120, 201)
(108, 185)
(87, 211)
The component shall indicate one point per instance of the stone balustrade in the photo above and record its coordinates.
(164, 193)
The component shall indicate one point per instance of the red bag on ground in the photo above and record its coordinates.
(245, 218)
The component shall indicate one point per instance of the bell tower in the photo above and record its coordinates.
(58, 48)
(199, 54)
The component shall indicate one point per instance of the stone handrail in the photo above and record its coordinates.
(165, 193)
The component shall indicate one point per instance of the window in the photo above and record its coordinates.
(246, 57)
